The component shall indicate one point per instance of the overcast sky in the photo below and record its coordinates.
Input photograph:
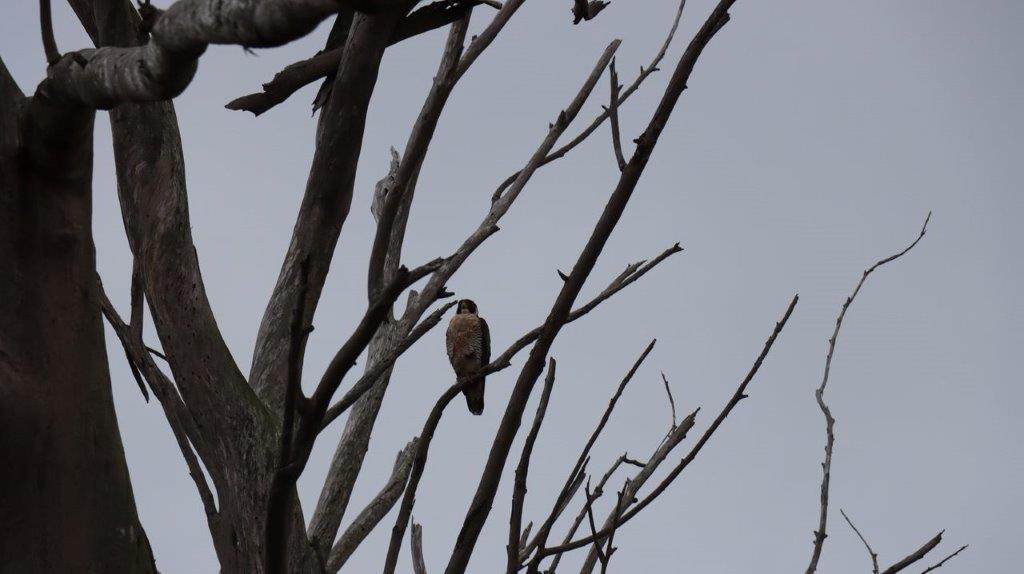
(815, 137)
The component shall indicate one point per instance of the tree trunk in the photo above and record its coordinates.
(65, 494)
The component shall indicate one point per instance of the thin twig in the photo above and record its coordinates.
(645, 72)
(613, 115)
(944, 560)
(563, 496)
(874, 556)
(826, 468)
(46, 28)
(671, 401)
(515, 534)
(915, 555)
(738, 396)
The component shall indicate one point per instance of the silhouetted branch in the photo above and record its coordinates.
(371, 375)
(636, 482)
(300, 74)
(598, 491)
(490, 478)
(613, 114)
(177, 415)
(164, 67)
(375, 511)
(874, 556)
(944, 560)
(671, 401)
(515, 530)
(46, 28)
(632, 272)
(418, 464)
(577, 470)
(419, 565)
(739, 395)
(587, 9)
(820, 534)
(645, 72)
(915, 555)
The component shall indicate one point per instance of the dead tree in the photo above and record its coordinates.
(67, 499)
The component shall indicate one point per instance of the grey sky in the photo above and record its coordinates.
(815, 137)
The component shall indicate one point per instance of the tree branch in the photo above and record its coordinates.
(380, 367)
(613, 114)
(820, 534)
(871, 553)
(349, 454)
(598, 490)
(164, 67)
(419, 463)
(645, 72)
(634, 484)
(326, 202)
(375, 511)
(487, 488)
(300, 74)
(915, 555)
(564, 495)
(738, 396)
(515, 529)
(46, 27)
(419, 566)
(178, 418)
(942, 562)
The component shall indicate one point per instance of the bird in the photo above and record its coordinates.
(469, 350)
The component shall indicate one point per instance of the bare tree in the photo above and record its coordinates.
(68, 489)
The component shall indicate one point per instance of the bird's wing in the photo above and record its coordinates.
(450, 343)
(485, 343)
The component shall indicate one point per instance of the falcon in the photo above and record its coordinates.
(469, 350)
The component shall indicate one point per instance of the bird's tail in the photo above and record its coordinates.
(475, 397)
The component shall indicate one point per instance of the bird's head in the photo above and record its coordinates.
(466, 306)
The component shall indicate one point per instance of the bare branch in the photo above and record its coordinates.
(826, 467)
(490, 478)
(589, 507)
(515, 533)
(280, 500)
(164, 67)
(300, 74)
(372, 374)
(620, 505)
(419, 463)
(178, 418)
(351, 449)
(633, 272)
(915, 555)
(645, 72)
(326, 201)
(613, 114)
(944, 560)
(563, 496)
(375, 511)
(739, 395)
(874, 556)
(671, 401)
(634, 484)
(415, 152)
(46, 27)
(419, 565)
(598, 490)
